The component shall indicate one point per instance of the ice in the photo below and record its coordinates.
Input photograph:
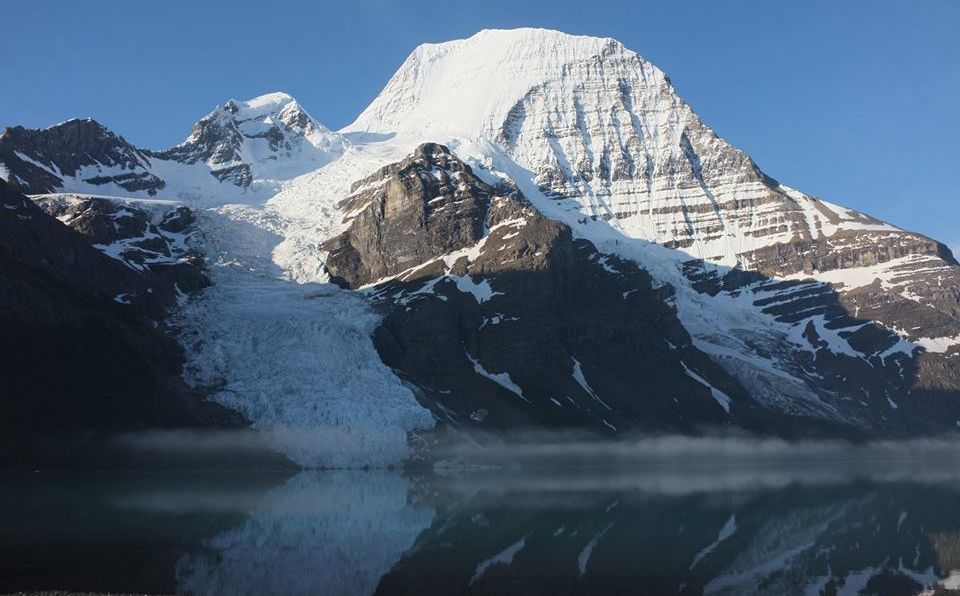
(296, 359)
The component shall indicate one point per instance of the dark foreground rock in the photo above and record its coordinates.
(82, 351)
(38, 161)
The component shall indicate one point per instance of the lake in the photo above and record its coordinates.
(820, 528)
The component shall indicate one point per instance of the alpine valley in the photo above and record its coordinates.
(525, 230)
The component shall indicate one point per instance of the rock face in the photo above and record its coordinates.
(42, 161)
(503, 320)
(428, 205)
(148, 238)
(81, 348)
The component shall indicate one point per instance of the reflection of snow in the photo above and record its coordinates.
(504, 557)
(780, 544)
(584, 557)
(320, 533)
(726, 531)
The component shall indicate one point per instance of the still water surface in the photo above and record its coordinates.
(643, 530)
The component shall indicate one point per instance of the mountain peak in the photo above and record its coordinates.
(269, 137)
(470, 85)
(266, 104)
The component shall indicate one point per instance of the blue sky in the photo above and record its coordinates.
(857, 101)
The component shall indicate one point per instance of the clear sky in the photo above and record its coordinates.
(856, 101)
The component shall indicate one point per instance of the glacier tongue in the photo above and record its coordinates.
(296, 358)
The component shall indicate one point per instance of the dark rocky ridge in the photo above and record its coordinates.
(151, 239)
(920, 298)
(62, 150)
(407, 213)
(81, 350)
(503, 320)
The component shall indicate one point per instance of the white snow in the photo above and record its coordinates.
(449, 86)
(503, 379)
(939, 345)
(582, 381)
(481, 290)
(719, 396)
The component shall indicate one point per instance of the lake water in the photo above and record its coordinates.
(591, 530)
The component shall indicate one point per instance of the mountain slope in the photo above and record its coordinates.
(503, 320)
(597, 137)
(81, 348)
(73, 153)
(266, 138)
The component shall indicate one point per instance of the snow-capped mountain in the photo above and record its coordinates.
(534, 221)
(266, 138)
(77, 155)
(597, 137)
(241, 149)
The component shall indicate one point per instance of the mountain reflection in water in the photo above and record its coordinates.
(643, 530)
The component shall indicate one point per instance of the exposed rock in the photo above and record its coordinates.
(149, 238)
(242, 140)
(38, 161)
(428, 205)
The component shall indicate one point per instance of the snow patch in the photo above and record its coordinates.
(503, 379)
(719, 396)
(582, 381)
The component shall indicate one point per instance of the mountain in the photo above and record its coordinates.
(801, 299)
(529, 229)
(76, 153)
(240, 148)
(266, 138)
(503, 319)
